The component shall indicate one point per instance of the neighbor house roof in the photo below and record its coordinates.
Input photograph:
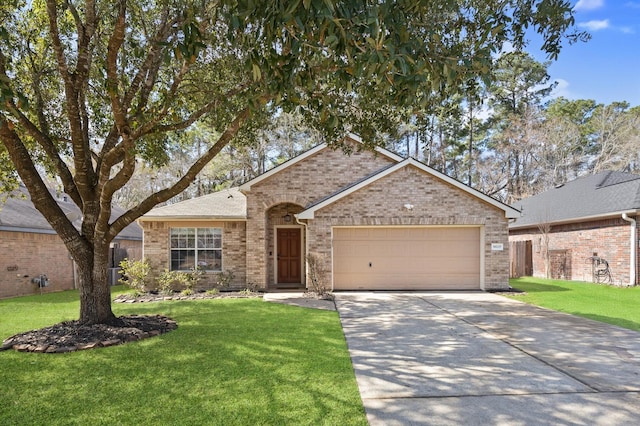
(18, 214)
(310, 210)
(228, 204)
(601, 195)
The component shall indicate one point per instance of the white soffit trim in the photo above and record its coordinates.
(509, 211)
(175, 218)
(246, 187)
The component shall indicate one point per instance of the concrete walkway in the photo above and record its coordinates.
(483, 359)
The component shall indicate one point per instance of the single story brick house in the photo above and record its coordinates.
(30, 247)
(590, 223)
(377, 221)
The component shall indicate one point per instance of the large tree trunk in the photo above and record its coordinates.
(95, 294)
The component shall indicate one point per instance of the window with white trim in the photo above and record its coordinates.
(196, 246)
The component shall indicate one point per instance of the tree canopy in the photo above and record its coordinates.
(90, 90)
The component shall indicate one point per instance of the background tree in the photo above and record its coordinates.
(614, 137)
(516, 93)
(565, 141)
(90, 90)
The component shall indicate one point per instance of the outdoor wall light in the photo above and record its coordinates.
(287, 217)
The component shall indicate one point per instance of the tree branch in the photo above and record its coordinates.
(72, 83)
(149, 69)
(40, 195)
(184, 182)
(41, 135)
(154, 126)
(52, 152)
(54, 32)
(115, 43)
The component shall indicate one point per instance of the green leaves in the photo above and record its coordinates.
(348, 65)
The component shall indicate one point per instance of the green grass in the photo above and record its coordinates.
(613, 305)
(241, 361)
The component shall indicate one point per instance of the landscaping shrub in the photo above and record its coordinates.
(224, 279)
(318, 275)
(134, 274)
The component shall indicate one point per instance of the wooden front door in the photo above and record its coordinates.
(289, 255)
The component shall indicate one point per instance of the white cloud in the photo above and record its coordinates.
(595, 25)
(589, 4)
(561, 89)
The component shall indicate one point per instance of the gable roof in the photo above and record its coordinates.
(600, 195)
(247, 185)
(309, 212)
(231, 204)
(228, 204)
(18, 214)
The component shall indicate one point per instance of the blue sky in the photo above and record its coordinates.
(607, 67)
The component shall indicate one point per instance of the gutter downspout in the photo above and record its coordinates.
(75, 274)
(306, 248)
(632, 249)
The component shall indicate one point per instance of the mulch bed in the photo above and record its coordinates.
(70, 336)
(510, 292)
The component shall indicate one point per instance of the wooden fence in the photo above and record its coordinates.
(521, 259)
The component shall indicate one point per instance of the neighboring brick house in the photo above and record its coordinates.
(376, 220)
(30, 247)
(590, 224)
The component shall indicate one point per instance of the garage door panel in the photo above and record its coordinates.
(406, 258)
(409, 282)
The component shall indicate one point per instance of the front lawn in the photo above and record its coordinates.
(614, 305)
(231, 361)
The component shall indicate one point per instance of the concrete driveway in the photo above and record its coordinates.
(482, 359)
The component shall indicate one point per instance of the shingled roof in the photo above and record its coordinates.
(18, 214)
(228, 204)
(604, 194)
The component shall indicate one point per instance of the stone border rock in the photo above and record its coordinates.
(149, 297)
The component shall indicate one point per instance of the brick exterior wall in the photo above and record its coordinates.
(436, 203)
(572, 245)
(298, 186)
(27, 255)
(156, 249)
(248, 248)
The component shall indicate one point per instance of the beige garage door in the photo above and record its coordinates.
(406, 258)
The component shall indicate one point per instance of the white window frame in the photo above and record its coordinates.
(196, 249)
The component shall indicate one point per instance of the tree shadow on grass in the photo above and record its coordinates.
(536, 287)
(231, 362)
